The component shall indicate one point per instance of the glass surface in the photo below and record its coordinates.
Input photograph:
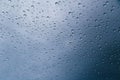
(59, 39)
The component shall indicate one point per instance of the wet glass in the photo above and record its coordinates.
(59, 39)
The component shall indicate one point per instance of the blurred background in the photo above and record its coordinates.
(59, 39)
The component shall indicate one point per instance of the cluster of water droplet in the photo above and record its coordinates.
(59, 39)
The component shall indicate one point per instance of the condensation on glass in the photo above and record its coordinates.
(59, 39)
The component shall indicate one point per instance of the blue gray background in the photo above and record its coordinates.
(59, 39)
